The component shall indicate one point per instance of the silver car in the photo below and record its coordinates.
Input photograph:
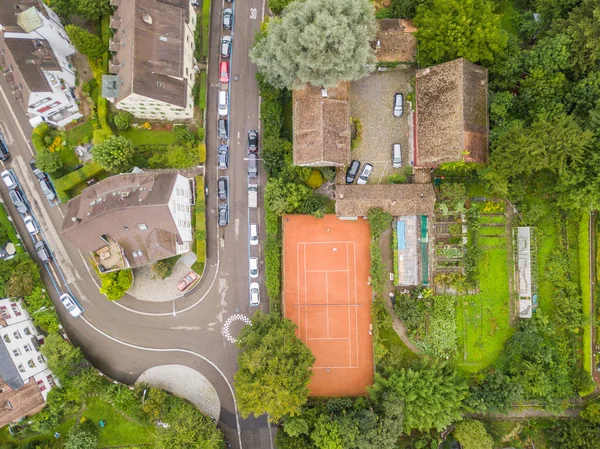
(254, 294)
(225, 46)
(364, 175)
(252, 165)
(398, 105)
(228, 18)
(223, 214)
(47, 189)
(71, 305)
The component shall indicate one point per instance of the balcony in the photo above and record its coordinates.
(109, 257)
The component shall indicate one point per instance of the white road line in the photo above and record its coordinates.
(12, 112)
(88, 268)
(184, 351)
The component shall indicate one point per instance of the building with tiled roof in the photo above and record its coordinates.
(395, 40)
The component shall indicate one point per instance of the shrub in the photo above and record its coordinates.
(379, 220)
(37, 137)
(103, 113)
(64, 184)
(123, 120)
(100, 135)
(202, 152)
(315, 180)
(183, 133)
(396, 178)
(114, 154)
(200, 226)
(164, 268)
(201, 134)
(49, 162)
(205, 26)
(202, 91)
(116, 283)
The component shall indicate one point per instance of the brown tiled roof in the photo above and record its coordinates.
(397, 199)
(31, 57)
(321, 126)
(452, 114)
(16, 404)
(396, 41)
(152, 53)
(118, 216)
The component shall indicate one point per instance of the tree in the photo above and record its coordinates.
(282, 197)
(274, 153)
(92, 9)
(543, 92)
(449, 29)
(471, 434)
(591, 412)
(82, 437)
(432, 395)
(24, 278)
(49, 162)
(583, 27)
(574, 434)
(274, 368)
(85, 42)
(116, 283)
(496, 394)
(114, 154)
(123, 120)
(64, 359)
(551, 54)
(277, 6)
(317, 42)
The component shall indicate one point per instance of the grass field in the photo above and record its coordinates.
(83, 133)
(147, 137)
(584, 269)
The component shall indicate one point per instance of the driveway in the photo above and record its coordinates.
(371, 101)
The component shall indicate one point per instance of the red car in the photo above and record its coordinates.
(187, 281)
(224, 72)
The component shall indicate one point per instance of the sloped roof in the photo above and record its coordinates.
(321, 126)
(451, 114)
(19, 403)
(32, 57)
(395, 41)
(8, 370)
(397, 199)
(29, 20)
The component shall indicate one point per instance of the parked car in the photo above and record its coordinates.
(71, 305)
(253, 234)
(228, 18)
(30, 225)
(252, 165)
(43, 252)
(47, 189)
(17, 198)
(398, 105)
(224, 72)
(223, 103)
(254, 294)
(222, 129)
(9, 179)
(226, 46)
(364, 175)
(396, 155)
(352, 171)
(252, 141)
(187, 281)
(4, 153)
(223, 214)
(39, 174)
(253, 270)
(223, 157)
(222, 187)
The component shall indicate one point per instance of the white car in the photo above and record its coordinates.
(364, 176)
(30, 225)
(223, 103)
(253, 267)
(9, 179)
(254, 294)
(253, 234)
(71, 305)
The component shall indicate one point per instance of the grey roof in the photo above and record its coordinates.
(8, 370)
(32, 57)
(10, 10)
(110, 86)
(29, 20)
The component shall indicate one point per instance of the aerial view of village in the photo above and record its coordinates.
(299, 224)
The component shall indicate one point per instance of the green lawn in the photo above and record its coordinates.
(147, 137)
(489, 230)
(83, 133)
(491, 241)
(489, 219)
(584, 269)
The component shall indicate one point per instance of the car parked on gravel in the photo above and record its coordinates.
(187, 281)
(364, 175)
(352, 171)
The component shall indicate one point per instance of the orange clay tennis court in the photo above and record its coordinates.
(326, 270)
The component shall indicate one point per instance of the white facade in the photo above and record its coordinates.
(181, 207)
(20, 338)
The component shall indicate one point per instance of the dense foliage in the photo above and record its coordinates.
(85, 42)
(472, 435)
(114, 153)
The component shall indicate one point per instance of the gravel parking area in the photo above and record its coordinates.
(186, 383)
(372, 101)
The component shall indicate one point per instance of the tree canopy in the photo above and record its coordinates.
(85, 42)
(317, 42)
(274, 368)
(472, 435)
(114, 154)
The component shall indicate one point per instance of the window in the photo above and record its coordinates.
(137, 254)
(142, 226)
(17, 352)
(27, 331)
(126, 228)
(27, 347)
(5, 312)
(41, 385)
(41, 359)
(17, 334)
(179, 222)
(21, 368)
(50, 380)
(6, 338)
(30, 363)
(15, 309)
(178, 207)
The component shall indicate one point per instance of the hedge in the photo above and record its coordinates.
(202, 94)
(37, 136)
(200, 227)
(202, 152)
(205, 26)
(584, 277)
(273, 246)
(68, 182)
(10, 230)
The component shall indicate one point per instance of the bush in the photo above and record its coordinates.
(100, 135)
(73, 179)
(116, 283)
(38, 135)
(123, 120)
(164, 268)
(103, 113)
(200, 226)
(49, 162)
(379, 220)
(315, 180)
(205, 26)
(201, 134)
(183, 133)
(202, 91)
(202, 152)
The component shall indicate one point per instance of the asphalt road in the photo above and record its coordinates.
(123, 339)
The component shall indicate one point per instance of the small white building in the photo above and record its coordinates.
(34, 55)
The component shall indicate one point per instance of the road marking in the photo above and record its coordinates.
(185, 351)
(12, 112)
(85, 264)
(237, 227)
(6, 133)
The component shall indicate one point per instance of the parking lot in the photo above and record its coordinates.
(371, 101)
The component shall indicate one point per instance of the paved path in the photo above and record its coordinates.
(388, 258)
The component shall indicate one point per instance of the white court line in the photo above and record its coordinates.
(327, 302)
(327, 271)
(348, 296)
(305, 309)
(298, 286)
(356, 311)
(329, 338)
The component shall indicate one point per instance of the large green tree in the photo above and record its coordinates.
(114, 154)
(85, 42)
(274, 368)
(24, 278)
(188, 429)
(449, 29)
(317, 42)
(472, 435)
(64, 359)
(432, 395)
(90, 9)
(583, 27)
(49, 162)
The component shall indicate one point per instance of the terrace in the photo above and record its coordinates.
(110, 257)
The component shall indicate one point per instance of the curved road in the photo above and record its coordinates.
(124, 339)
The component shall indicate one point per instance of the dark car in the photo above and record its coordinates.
(252, 141)
(16, 196)
(352, 171)
(223, 157)
(223, 214)
(222, 129)
(4, 153)
(252, 165)
(222, 187)
(43, 252)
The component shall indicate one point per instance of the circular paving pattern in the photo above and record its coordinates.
(230, 320)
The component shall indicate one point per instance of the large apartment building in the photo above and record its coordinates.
(34, 57)
(152, 68)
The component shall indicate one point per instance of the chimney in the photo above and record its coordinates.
(75, 219)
